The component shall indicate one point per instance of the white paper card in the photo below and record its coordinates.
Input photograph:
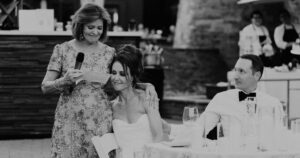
(105, 144)
(91, 76)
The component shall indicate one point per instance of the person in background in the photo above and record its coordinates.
(247, 72)
(285, 35)
(135, 122)
(83, 111)
(255, 39)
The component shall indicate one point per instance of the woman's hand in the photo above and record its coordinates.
(166, 127)
(268, 50)
(151, 95)
(153, 103)
(155, 120)
(72, 75)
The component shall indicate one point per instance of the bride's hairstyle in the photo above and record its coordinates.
(130, 58)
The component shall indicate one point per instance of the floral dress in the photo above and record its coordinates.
(85, 112)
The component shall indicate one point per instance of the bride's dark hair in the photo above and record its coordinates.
(130, 58)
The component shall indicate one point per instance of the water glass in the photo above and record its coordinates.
(229, 133)
(199, 140)
(190, 115)
(266, 127)
(139, 154)
(222, 140)
(295, 125)
(284, 120)
(251, 104)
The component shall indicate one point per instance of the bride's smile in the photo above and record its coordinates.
(120, 80)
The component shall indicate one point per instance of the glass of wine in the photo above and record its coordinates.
(190, 115)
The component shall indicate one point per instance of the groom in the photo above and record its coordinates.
(247, 72)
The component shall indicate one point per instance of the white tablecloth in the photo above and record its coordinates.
(158, 150)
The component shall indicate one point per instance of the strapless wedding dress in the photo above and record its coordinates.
(131, 137)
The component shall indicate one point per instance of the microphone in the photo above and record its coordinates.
(79, 60)
(78, 63)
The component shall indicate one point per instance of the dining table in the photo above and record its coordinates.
(160, 150)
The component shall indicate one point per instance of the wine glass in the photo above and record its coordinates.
(139, 154)
(190, 115)
(229, 133)
(266, 124)
(221, 139)
(295, 125)
(251, 106)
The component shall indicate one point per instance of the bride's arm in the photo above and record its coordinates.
(154, 119)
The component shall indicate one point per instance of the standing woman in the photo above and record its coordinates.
(82, 111)
(254, 37)
(285, 35)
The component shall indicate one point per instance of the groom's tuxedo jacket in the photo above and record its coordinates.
(227, 104)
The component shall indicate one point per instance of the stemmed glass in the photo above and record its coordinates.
(251, 106)
(250, 124)
(221, 140)
(229, 133)
(189, 118)
(190, 115)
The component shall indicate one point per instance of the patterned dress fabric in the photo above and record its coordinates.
(85, 112)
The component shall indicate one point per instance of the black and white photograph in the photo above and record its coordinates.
(149, 78)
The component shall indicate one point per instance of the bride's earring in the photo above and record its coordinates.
(81, 37)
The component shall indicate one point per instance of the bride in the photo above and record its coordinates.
(136, 120)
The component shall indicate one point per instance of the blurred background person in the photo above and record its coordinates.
(255, 39)
(285, 35)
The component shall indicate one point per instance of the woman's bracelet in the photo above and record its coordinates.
(57, 86)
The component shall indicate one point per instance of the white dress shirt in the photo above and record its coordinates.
(278, 35)
(227, 104)
(249, 39)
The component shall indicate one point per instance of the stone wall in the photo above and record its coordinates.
(188, 70)
(207, 33)
(209, 24)
(294, 7)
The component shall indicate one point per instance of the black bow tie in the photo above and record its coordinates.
(243, 96)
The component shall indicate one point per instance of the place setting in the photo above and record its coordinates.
(259, 133)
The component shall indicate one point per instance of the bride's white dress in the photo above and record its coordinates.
(131, 137)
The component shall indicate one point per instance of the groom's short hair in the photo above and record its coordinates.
(257, 64)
